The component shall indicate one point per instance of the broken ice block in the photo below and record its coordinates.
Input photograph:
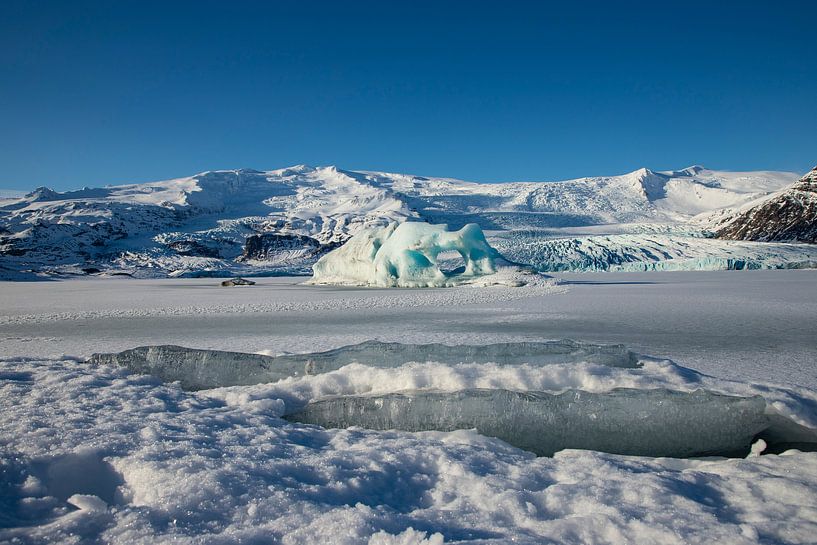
(623, 421)
(202, 369)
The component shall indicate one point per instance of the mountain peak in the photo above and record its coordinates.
(694, 169)
(294, 170)
(42, 193)
(642, 172)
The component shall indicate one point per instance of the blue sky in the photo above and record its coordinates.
(108, 92)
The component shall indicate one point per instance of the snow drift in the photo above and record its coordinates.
(175, 467)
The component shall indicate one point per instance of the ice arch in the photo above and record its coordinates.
(405, 255)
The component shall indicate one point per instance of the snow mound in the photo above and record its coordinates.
(406, 255)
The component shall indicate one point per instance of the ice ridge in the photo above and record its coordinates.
(656, 422)
(203, 369)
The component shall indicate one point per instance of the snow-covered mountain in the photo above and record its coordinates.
(282, 221)
(642, 195)
(789, 215)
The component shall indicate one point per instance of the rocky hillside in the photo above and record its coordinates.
(789, 215)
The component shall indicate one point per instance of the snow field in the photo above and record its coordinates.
(221, 466)
(176, 467)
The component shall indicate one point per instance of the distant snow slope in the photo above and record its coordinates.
(642, 195)
(11, 194)
(281, 221)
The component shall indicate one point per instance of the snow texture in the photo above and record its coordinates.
(98, 454)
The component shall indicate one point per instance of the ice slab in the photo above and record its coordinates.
(405, 255)
(203, 369)
(624, 421)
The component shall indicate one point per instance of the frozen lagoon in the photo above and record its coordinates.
(221, 465)
(752, 325)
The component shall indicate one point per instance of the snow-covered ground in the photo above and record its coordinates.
(93, 454)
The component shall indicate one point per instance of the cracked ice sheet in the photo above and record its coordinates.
(190, 469)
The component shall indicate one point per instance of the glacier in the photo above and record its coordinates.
(655, 422)
(405, 255)
(248, 222)
(648, 248)
(197, 369)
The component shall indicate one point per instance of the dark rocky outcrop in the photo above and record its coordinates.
(787, 216)
(268, 246)
(193, 248)
(237, 281)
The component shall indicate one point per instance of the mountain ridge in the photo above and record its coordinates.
(788, 215)
(204, 222)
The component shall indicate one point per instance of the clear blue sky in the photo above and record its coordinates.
(116, 91)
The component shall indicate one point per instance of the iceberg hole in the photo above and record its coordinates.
(451, 262)
(406, 255)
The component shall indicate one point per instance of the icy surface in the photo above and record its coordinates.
(757, 326)
(405, 255)
(636, 422)
(221, 466)
(197, 369)
(657, 251)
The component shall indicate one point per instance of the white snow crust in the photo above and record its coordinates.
(94, 453)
